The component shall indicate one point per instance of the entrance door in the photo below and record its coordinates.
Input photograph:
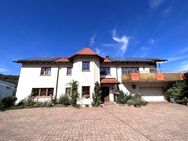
(105, 94)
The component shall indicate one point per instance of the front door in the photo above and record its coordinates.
(105, 94)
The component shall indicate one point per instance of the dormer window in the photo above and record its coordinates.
(85, 66)
(45, 71)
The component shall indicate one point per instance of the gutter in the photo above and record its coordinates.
(57, 82)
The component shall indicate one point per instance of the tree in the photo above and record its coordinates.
(175, 91)
(97, 95)
(74, 93)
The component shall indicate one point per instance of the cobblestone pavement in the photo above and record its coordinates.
(161, 121)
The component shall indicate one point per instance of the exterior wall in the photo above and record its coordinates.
(30, 78)
(6, 89)
(86, 78)
(154, 85)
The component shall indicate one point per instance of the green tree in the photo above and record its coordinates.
(74, 93)
(175, 91)
(97, 95)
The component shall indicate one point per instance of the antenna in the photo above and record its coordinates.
(87, 43)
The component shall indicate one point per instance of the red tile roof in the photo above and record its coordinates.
(61, 60)
(106, 60)
(86, 51)
(109, 81)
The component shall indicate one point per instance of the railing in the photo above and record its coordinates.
(131, 77)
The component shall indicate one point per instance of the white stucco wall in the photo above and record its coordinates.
(86, 78)
(30, 78)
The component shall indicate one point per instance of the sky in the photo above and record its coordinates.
(117, 28)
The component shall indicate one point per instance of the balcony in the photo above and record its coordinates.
(152, 77)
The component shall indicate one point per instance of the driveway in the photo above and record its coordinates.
(160, 121)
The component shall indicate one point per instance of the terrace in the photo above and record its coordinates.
(152, 77)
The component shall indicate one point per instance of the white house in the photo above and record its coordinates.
(42, 77)
(6, 89)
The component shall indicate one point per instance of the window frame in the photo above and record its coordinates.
(129, 70)
(38, 92)
(86, 95)
(70, 70)
(105, 68)
(43, 72)
(83, 69)
(66, 92)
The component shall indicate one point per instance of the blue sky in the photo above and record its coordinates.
(123, 28)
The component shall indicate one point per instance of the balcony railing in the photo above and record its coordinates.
(133, 77)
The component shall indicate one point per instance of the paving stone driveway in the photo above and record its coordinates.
(153, 122)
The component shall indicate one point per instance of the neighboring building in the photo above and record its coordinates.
(42, 77)
(6, 89)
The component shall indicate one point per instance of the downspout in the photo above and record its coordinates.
(117, 76)
(57, 82)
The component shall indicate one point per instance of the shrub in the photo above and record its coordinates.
(1, 106)
(74, 93)
(183, 101)
(29, 101)
(130, 102)
(138, 101)
(97, 95)
(123, 97)
(64, 100)
(175, 91)
(8, 101)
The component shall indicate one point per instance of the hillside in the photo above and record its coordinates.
(9, 78)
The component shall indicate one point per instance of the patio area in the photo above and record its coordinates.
(157, 121)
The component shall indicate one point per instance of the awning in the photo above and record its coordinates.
(109, 81)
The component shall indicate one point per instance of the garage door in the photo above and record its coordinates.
(152, 94)
(151, 91)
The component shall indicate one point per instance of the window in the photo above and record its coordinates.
(68, 90)
(85, 66)
(105, 71)
(153, 70)
(69, 70)
(45, 71)
(86, 91)
(126, 70)
(42, 91)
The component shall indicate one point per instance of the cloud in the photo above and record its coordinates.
(100, 52)
(183, 66)
(185, 50)
(148, 46)
(3, 70)
(178, 58)
(167, 11)
(151, 41)
(108, 45)
(92, 40)
(155, 3)
(122, 42)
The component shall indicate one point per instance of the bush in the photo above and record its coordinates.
(130, 102)
(29, 101)
(8, 101)
(175, 91)
(123, 97)
(74, 93)
(138, 101)
(97, 95)
(64, 100)
(1, 106)
(183, 101)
